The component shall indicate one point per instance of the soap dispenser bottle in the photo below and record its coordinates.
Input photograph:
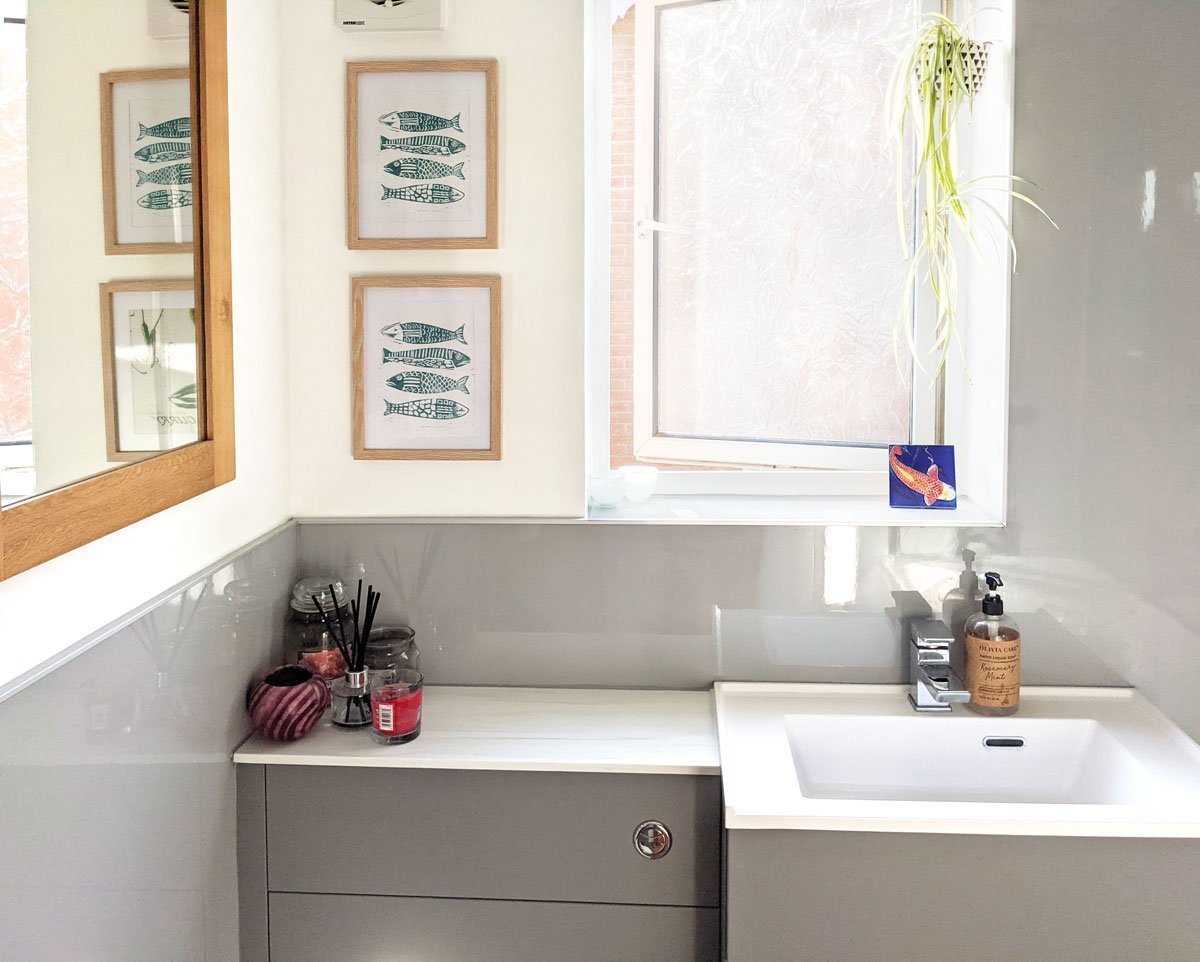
(993, 645)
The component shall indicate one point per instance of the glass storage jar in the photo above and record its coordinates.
(306, 639)
(390, 648)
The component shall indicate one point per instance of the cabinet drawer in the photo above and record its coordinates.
(491, 835)
(317, 928)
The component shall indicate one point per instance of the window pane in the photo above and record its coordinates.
(16, 418)
(775, 302)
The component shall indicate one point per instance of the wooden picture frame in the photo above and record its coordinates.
(121, 441)
(426, 417)
(49, 525)
(162, 185)
(440, 198)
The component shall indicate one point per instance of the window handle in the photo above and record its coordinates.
(646, 225)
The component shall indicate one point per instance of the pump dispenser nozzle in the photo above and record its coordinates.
(993, 604)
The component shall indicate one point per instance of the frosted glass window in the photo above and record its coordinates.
(779, 275)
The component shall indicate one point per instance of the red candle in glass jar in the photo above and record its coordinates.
(396, 706)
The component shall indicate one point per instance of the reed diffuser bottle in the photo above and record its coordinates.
(993, 656)
(351, 695)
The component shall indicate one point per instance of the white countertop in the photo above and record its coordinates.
(526, 729)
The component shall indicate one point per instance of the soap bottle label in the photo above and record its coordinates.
(994, 670)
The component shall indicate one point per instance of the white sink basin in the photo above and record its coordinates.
(1037, 760)
(1073, 761)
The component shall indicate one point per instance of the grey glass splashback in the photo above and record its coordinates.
(682, 606)
(116, 788)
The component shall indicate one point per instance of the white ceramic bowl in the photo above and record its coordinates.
(640, 482)
(606, 489)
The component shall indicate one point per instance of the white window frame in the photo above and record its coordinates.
(664, 449)
(975, 405)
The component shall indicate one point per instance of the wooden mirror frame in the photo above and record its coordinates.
(51, 524)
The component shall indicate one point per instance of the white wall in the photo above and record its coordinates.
(539, 46)
(52, 606)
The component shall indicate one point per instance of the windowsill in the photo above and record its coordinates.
(814, 510)
(811, 510)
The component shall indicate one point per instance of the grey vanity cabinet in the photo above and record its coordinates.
(367, 863)
(816, 896)
(320, 928)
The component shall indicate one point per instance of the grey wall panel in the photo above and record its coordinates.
(513, 835)
(117, 796)
(317, 928)
(874, 897)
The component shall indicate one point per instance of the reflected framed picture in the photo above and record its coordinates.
(146, 160)
(167, 19)
(421, 154)
(151, 355)
(427, 372)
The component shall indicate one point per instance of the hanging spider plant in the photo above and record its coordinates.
(940, 70)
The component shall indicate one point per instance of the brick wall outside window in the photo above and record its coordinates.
(621, 254)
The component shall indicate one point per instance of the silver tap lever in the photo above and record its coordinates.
(935, 686)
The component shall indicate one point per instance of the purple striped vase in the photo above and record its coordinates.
(287, 703)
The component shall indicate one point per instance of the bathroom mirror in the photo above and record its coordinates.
(115, 352)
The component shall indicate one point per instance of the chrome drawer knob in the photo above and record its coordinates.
(652, 839)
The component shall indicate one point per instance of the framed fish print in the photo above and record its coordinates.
(427, 368)
(921, 476)
(421, 158)
(151, 355)
(146, 160)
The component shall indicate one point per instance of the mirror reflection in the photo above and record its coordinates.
(99, 354)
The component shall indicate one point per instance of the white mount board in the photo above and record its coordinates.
(391, 14)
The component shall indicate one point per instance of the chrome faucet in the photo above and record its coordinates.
(935, 686)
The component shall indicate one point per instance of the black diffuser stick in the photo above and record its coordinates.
(372, 606)
(341, 618)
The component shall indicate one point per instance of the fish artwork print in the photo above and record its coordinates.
(440, 357)
(414, 332)
(427, 144)
(175, 129)
(413, 168)
(416, 122)
(437, 409)
(424, 194)
(164, 151)
(423, 382)
(166, 199)
(175, 174)
(922, 475)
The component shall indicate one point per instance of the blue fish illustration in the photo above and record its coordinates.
(414, 168)
(163, 151)
(166, 199)
(178, 128)
(422, 382)
(414, 121)
(414, 332)
(438, 409)
(442, 357)
(175, 174)
(425, 194)
(426, 144)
